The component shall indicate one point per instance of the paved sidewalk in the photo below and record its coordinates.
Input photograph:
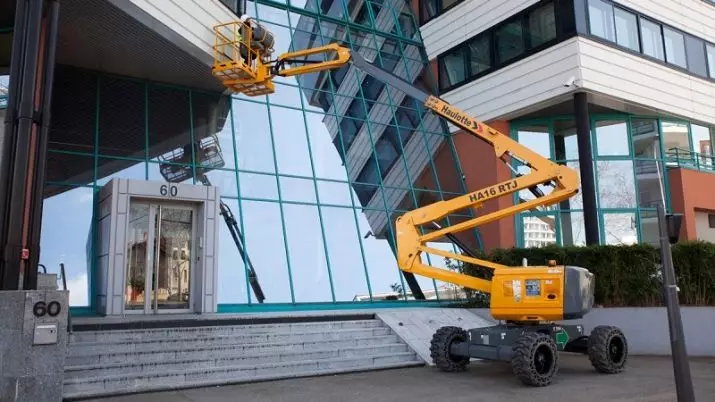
(648, 379)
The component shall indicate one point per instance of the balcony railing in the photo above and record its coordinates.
(684, 158)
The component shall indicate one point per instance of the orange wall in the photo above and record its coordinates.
(690, 190)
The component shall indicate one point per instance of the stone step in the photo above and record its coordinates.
(109, 355)
(219, 360)
(141, 382)
(142, 345)
(194, 332)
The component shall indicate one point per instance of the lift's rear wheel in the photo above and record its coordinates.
(440, 347)
(607, 349)
(535, 359)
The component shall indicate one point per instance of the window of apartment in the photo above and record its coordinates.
(389, 54)
(387, 151)
(626, 29)
(652, 39)
(711, 60)
(509, 40)
(695, 52)
(600, 19)
(479, 55)
(674, 47)
(711, 221)
(369, 180)
(542, 25)
(452, 69)
(432, 8)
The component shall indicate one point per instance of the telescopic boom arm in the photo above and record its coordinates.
(410, 242)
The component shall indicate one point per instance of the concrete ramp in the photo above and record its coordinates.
(415, 326)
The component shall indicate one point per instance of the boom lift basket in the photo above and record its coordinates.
(176, 167)
(242, 56)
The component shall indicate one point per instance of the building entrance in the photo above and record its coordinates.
(160, 256)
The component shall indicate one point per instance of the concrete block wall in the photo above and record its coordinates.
(31, 372)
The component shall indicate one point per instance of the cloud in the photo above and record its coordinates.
(78, 290)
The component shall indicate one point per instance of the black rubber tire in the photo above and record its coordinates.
(607, 349)
(535, 359)
(440, 345)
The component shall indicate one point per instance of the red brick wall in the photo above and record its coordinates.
(691, 191)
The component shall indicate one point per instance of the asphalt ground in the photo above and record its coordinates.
(646, 379)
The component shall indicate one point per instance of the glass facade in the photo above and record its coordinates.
(315, 173)
(631, 155)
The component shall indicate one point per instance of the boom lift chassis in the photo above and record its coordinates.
(530, 301)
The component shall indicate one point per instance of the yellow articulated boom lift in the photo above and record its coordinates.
(528, 301)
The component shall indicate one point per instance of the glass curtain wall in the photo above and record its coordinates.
(630, 179)
(315, 174)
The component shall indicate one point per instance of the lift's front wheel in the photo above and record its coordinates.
(440, 349)
(535, 359)
(607, 349)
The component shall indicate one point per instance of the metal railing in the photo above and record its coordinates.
(684, 158)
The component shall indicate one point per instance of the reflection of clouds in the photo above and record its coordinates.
(77, 287)
(85, 198)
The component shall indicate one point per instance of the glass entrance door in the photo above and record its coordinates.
(160, 246)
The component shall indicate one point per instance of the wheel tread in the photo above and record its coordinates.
(440, 349)
(598, 342)
(522, 359)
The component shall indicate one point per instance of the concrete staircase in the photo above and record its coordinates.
(111, 362)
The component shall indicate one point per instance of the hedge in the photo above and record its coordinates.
(625, 275)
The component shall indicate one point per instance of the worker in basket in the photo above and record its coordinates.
(262, 40)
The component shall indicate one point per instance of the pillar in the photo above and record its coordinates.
(585, 158)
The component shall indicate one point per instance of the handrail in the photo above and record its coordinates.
(685, 158)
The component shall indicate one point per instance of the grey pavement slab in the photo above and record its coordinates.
(646, 379)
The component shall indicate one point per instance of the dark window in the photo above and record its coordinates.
(371, 88)
(652, 39)
(368, 181)
(387, 151)
(479, 55)
(349, 129)
(674, 47)
(509, 41)
(323, 101)
(407, 25)
(389, 54)
(600, 19)
(711, 60)
(626, 29)
(432, 8)
(356, 110)
(695, 50)
(711, 221)
(542, 25)
(452, 68)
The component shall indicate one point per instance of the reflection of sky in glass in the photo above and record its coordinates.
(294, 240)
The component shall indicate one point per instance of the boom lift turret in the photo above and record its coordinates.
(528, 301)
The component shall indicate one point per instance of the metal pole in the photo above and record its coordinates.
(681, 367)
(585, 156)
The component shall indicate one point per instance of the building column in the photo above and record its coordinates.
(585, 158)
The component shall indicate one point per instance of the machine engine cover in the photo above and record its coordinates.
(541, 293)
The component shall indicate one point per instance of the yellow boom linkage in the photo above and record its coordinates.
(242, 62)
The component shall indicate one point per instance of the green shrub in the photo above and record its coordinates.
(625, 275)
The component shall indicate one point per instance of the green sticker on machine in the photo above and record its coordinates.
(562, 338)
